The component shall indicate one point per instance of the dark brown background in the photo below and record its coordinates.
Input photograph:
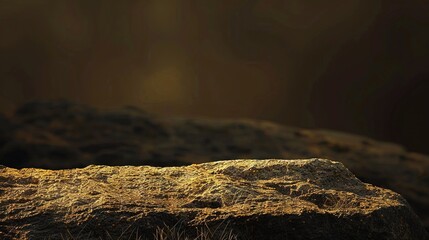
(360, 66)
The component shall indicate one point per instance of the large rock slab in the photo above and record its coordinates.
(62, 134)
(254, 199)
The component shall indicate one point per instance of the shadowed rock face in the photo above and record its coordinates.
(257, 199)
(61, 134)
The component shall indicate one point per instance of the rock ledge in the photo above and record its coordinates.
(257, 199)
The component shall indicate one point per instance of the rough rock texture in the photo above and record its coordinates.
(65, 135)
(259, 199)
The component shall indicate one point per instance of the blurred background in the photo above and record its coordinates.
(359, 66)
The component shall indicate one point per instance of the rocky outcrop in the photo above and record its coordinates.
(61, 134)
(253, 199)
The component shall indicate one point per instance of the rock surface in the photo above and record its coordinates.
(258, 199)
(61, 135)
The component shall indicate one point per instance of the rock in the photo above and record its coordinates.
(254, 199)
(59, 135)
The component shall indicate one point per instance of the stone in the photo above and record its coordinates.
(253, 199)
(62, 135)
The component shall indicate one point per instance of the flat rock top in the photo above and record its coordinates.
(314, 196)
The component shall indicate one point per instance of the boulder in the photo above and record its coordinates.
(246, 199)
(61, 135)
